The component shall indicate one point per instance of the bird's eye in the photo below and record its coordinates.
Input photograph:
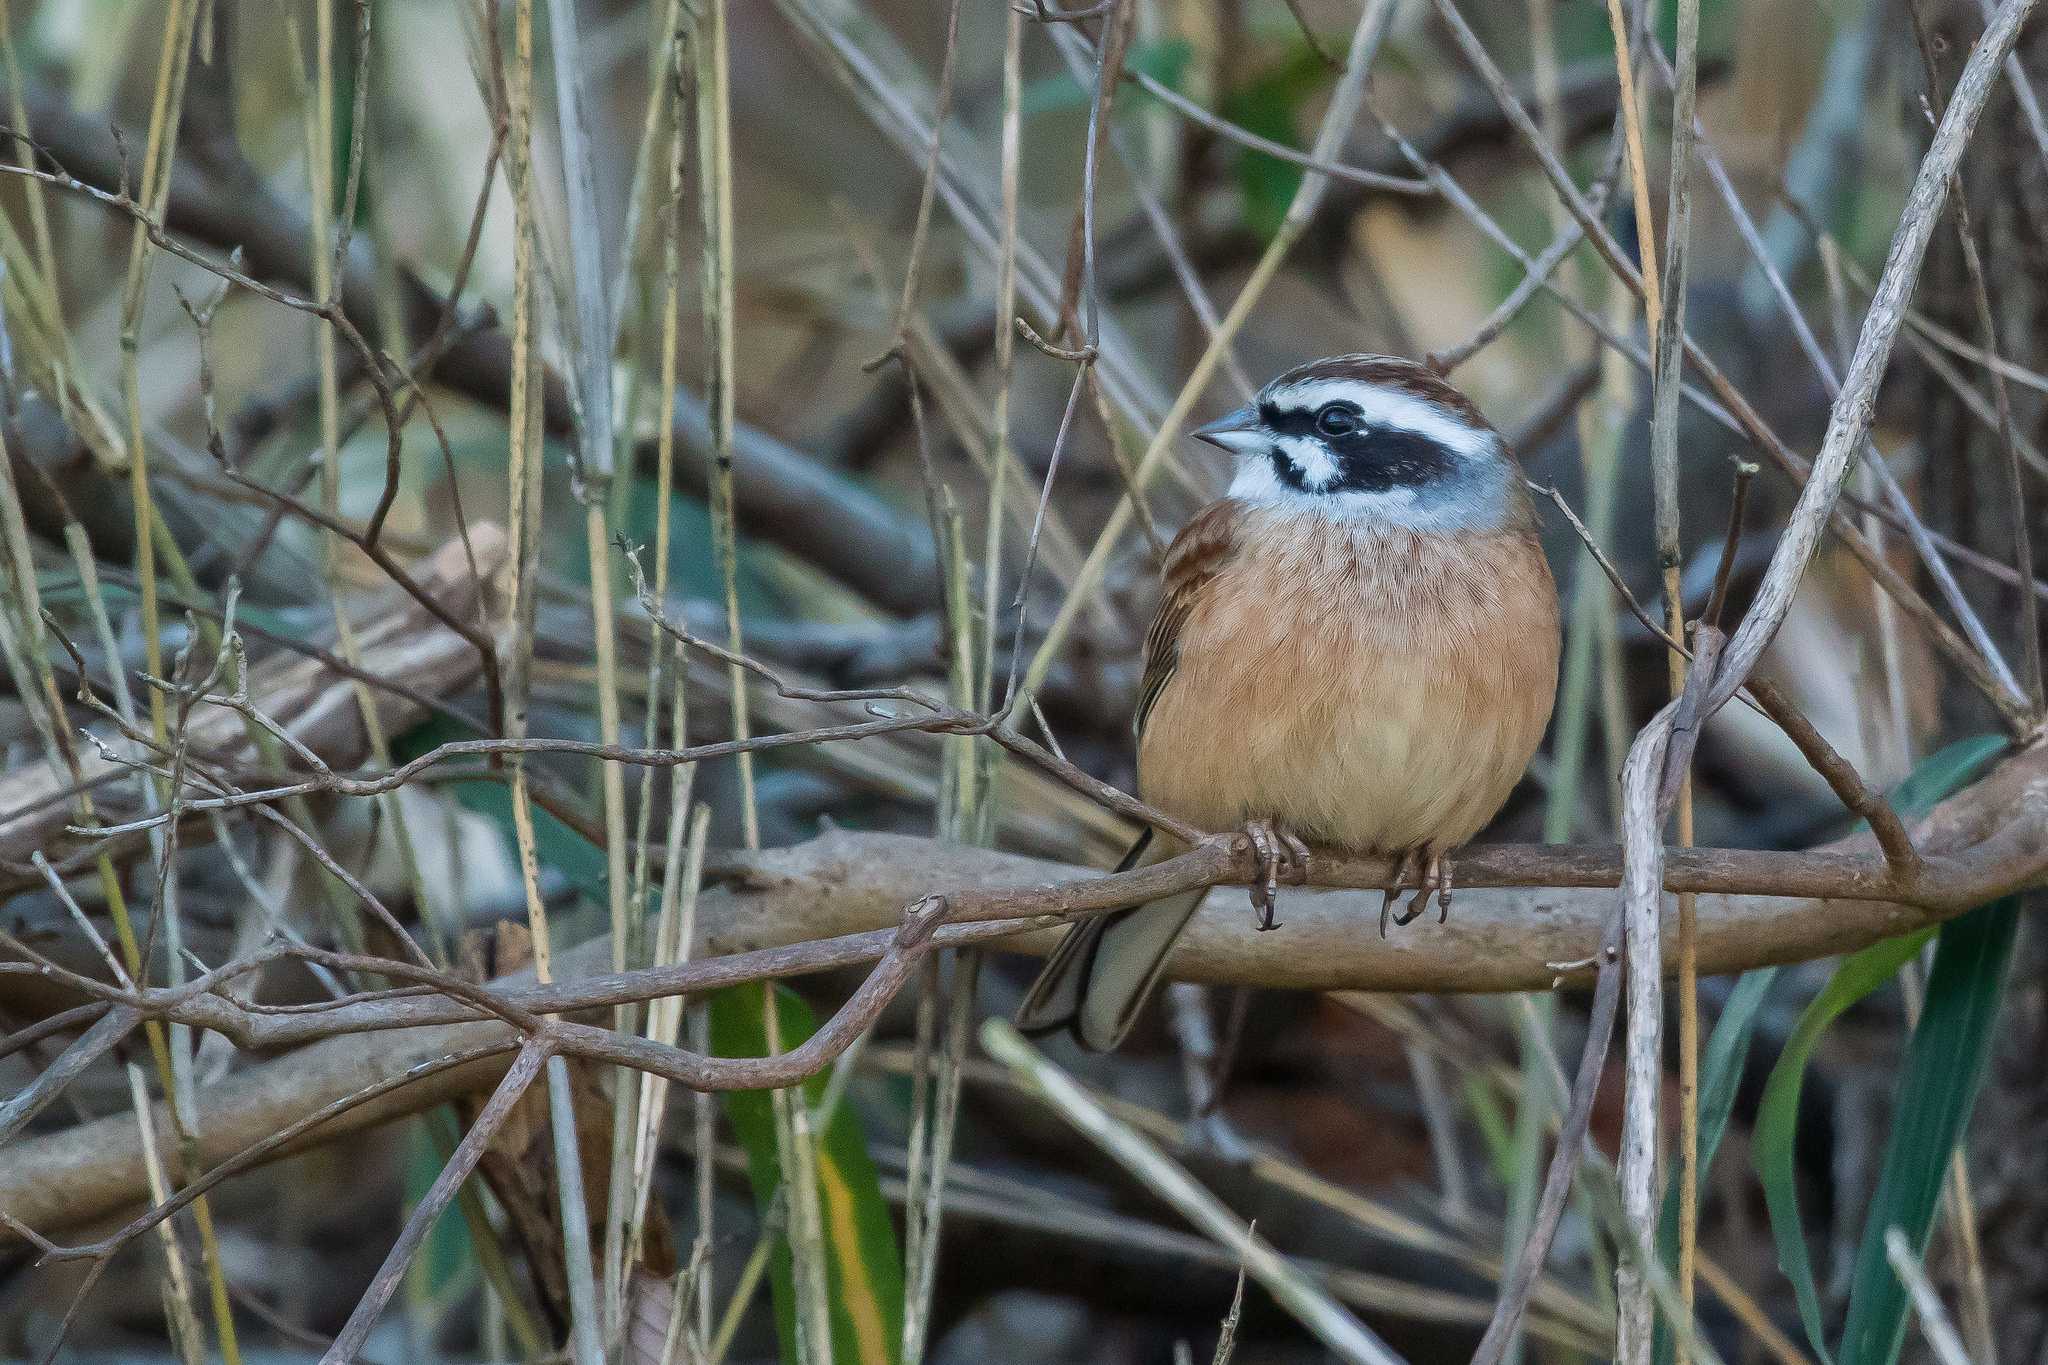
(1337, 419)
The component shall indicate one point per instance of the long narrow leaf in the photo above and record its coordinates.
(865, 1267)
(1938, 1087)
(1778, 1115)
(1720, 1076)
(1777, 1118)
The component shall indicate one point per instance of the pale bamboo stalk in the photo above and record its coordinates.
(670, 73)
(1669, 334)
(185, 1331)
(1638, 172)
(1004, 455)
(523, 468)
(675, 927)
(154, 191)
(796, 1147)
(714, 169)
(714, 153)
(585, 1346)
(525, 493)
(592, 343)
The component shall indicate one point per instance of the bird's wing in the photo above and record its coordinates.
(1201, 549)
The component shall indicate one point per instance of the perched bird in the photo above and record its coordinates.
(1356, 647)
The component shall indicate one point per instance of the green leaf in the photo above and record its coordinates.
(1778, 1115)
(1165, 61)
(1944, 773)
(1720, 1075)
(1270, 105)
(558, 845)
(1777, 1118)
(1937, 1089)
(865, 1267)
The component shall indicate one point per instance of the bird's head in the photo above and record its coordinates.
(1374, 439)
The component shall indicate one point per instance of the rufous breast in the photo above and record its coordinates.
(1372, 688)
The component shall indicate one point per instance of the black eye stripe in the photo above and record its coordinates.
(1368, 459)
(1375, 461)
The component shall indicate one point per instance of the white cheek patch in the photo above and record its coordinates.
(1257, 482)
(1391, 408)
(1310, 458)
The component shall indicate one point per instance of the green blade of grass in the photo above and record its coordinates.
(1778, 1115)
(1937, 1088)
(865, 1267)
(1777, 1118)
(1720, 1074)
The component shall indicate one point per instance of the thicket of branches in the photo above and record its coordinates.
(570, 571)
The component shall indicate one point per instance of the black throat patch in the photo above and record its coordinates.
(1369, 460)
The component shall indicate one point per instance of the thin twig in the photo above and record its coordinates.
(355, 1333)
(1738, 505)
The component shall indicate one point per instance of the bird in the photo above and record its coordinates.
(1355, 647)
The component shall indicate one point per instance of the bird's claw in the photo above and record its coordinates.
(1402, 865)
(1278, 852)
(1434, 878)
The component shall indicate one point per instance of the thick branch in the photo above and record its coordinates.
(776, 912)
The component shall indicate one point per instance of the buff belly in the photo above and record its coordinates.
(1389, 699)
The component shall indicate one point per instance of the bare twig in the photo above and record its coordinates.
(355, 1333)
(1738, 505)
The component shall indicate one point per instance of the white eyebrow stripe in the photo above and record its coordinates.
(1385, 407)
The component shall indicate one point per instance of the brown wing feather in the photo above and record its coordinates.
(1203, 546)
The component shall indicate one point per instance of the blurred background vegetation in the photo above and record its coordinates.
(1389, 1145)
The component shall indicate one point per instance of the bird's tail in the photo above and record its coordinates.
(1100, 976)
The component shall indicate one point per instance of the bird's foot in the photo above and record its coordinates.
(1404, 866)
(1435, 879)
(1280, 853)
(1429, 881)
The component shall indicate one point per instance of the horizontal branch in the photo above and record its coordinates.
(1524, 916)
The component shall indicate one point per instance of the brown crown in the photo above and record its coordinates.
(1392, 372)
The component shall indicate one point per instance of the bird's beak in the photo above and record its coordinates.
(1237, 432)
